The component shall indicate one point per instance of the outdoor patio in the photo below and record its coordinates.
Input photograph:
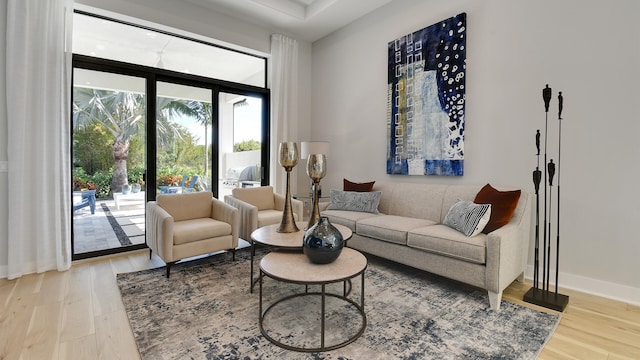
(108, 227)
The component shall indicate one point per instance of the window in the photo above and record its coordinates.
(148, 120)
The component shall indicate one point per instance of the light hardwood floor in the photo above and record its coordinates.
(78, 314)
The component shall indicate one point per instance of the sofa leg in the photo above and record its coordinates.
(169, 264)
(494, 300)
(233, 256)
(150, 253)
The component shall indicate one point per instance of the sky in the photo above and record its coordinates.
(246, 125)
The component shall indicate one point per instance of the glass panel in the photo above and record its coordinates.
(240, 142)
(183, 143)
(107, 39)
(109, 112)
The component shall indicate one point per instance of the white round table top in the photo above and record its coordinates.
(296, 267)
(267, 235)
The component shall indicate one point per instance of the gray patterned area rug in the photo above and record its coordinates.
(205, 311)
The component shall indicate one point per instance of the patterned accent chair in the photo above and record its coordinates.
(260, 206)
(190, 224)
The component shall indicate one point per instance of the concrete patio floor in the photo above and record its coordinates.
(93, 232)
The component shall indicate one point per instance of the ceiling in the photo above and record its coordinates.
(307, 20)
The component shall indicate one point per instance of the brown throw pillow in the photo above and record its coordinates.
(503, 205)
(360, 187)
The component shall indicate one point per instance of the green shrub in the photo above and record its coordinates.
(135, 176)
(247, 145)
(102, 179)
(80, 179)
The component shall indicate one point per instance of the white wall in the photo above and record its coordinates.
(589, 50)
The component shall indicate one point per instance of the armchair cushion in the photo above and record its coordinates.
(261, 197)
(187, 231)
(269, 217)
(187, 206)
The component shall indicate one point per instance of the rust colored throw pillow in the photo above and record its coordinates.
(360, 187)
(503, 205)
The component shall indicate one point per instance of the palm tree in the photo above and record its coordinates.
(202, 113)
(123, 114)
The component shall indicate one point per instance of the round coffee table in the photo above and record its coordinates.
(269, 236)
(296, 268)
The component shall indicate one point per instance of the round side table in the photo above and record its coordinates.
(269, 237)
(295, 268)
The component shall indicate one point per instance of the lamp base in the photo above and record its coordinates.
(288, 223)
(547, 299)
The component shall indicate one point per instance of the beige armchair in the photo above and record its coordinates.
(260, 206)
(189, 224)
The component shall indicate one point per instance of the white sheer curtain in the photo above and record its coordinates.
(38, 70)
(284, 104)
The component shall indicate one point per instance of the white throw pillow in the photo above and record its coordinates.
(467, 217)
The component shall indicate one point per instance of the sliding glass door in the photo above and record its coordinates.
(184, 125)
(157, 112)
(136, 135)
(108, 155)
(241, 142)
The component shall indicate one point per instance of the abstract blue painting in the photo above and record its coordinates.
(426, 100)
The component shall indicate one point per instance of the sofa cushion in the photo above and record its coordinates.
(467, 217)
(347, 218)
(260, 197)
(503, 205)
(355, 201)
(353, 186)
(390, 228)
(422, 201)
(441, 239)
(186, 206)
(198, 229)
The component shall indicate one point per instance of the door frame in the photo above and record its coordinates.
(152, 76)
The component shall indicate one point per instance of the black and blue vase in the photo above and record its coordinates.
(323, 242)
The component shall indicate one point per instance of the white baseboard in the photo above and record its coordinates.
(605, 289)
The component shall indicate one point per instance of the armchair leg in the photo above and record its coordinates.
(169, 264)
(233, 257)
(150, 253)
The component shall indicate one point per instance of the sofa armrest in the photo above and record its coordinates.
(248, 216)
(159, 231)
(226, 213)
(296, 205)
(507, 249)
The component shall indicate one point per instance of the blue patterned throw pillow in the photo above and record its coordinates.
(355, 201)
(467, 217)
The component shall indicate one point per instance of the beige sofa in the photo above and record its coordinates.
(409, 230)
